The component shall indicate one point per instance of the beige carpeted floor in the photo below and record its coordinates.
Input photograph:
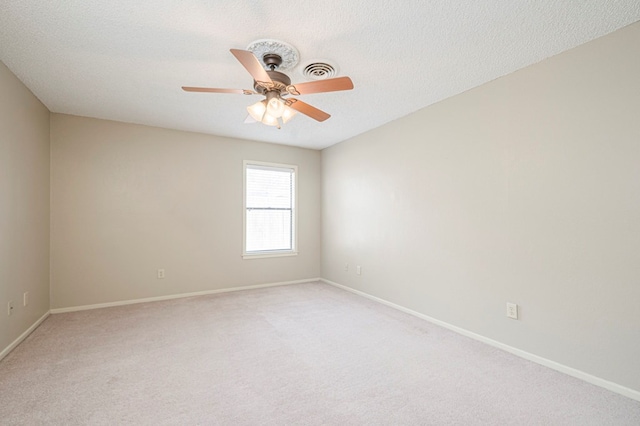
(301, 354)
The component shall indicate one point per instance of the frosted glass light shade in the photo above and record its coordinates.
(257, 110)
(275, 107)
(270, 120)
(288, 114)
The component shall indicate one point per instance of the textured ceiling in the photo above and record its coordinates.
(126, 60)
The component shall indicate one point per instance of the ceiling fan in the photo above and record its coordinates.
(278, 106)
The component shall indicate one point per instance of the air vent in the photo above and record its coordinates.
(319, 70)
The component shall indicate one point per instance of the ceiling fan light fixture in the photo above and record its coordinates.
(271, 111)
(260, 112)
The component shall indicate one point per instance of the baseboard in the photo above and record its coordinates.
(614, 387)
(23, 336)
(177, 296)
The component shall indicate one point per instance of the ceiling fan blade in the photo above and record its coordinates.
(251, 63)
(307, 109)
(213, 90)
(321, 86)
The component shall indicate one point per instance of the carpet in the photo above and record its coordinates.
(305, 354)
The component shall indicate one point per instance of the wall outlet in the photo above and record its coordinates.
(9, 308)
(160, 274)
(359, 270)
(512, 310)
(346, 267)
(25, 298)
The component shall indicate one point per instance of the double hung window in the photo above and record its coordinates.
(269, 209)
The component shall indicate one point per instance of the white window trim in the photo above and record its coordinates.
(269, 253)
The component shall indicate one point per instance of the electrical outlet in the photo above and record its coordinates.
(346, 267)
(10, 308)
(160, 274)
(359, 270)
(25, 298)
(512, 310)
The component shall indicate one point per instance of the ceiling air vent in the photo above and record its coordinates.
(319, 70)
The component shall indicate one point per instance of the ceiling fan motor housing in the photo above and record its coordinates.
(280, 83)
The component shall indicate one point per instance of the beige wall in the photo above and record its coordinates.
(526, 189)
(24, 207)
(128, 200)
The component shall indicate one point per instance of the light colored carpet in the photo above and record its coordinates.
(301, 354)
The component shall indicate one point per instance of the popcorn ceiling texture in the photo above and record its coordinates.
(125, 61)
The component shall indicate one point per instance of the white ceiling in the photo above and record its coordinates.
(126, 60)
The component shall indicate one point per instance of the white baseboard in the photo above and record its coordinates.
(614, 387)
(177, 296)
(23, 336)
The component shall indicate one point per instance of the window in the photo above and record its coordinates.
(269, 209)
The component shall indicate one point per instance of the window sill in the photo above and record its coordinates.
(264, 254)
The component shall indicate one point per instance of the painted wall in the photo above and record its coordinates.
(526, 189)
(128, 200)
(24, 207)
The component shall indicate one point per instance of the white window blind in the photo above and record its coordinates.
(269, 208)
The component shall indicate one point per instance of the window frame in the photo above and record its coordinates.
(294, 214)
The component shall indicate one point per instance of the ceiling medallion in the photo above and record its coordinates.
(288, 53)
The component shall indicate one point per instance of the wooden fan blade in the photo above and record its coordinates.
(307, 109)
(321, 86)
(251, 63)
(213, 90)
